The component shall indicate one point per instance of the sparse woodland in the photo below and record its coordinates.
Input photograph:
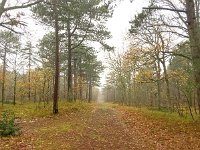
(49, 86)
(159, 71)
(62, 65)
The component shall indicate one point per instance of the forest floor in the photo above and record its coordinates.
(101, 127)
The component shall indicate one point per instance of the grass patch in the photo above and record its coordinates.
(76, 107)
(107, 105)
(170, 117)
(31, 110)
(55, 128)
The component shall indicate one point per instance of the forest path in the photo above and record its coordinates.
(103, 127)
(107, 131)
(112, 127)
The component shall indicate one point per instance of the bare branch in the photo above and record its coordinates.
(163, 8)
(22, 6)
(180, 16)
(177, 54)
(10, 29)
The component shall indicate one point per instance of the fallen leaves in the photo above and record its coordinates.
(160, 133)
(102, 127)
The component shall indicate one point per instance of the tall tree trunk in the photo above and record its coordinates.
(194, 37)
(15, 86)
(167, 84)
(57, 65)
(64, 86)
(129, 89)
(4, 75)
(158, 70)
(48, 91)
(75, 81)
(166, 77)
(35, 94)
(15, 80)
(90, 89)
(80, 82)
(87, 91)
(43, 89)
(29, 75)
(69, 80)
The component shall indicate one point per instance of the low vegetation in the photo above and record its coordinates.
(7, 124)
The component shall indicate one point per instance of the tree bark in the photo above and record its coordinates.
(69, 80)
(193, 30)
(158, 70)
(80, 83)
(15, 87)
(57, 70)
(75, 81)
(29, 75)
(90, 89)
(64, 85)
(15, 81)
(4, 75)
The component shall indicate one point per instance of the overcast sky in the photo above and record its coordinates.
(119, 23)
(119, 26)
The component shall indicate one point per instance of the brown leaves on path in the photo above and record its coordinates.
(103, 128)
(105, 131)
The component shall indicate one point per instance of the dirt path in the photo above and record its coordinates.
(103, 127)
(121, 129)
(105, 130)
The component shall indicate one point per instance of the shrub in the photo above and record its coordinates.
(7, 124)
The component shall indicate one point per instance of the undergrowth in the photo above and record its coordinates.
(170, 117)
(32, 110)
(8, 126)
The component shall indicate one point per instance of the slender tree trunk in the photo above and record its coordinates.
(166, 77)
(64, 85)
(15, 87)
(90, 89)
(158, 70)
(48, 89)
(167, 84)
(81, 93)
(15, 80)
(114, 94)
(75, 81)
(29, 76)
(57, 60)
(80, 87)
(43, 88)
(129, 95)
(4, 75)
(80, 84)
(69, 80)
(134, 85)
(87, 91)
(35, 94)
(194, 37)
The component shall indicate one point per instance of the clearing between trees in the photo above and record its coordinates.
(82, 126)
